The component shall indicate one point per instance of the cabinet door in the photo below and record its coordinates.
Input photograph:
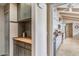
(7, 33)
(25, 11)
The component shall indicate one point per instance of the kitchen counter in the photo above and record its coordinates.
(24, 40)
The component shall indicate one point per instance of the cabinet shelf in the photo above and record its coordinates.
(24, 20)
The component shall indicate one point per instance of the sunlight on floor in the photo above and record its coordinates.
(69, 47)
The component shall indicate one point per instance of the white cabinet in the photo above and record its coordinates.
(24, 11)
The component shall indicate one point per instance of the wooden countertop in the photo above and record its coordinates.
(24, 40)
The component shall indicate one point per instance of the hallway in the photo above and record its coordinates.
(69, 47)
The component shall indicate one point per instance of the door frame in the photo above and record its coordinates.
(34, 33)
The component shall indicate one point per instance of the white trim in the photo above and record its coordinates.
(39, 30)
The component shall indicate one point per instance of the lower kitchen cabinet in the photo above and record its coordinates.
(22, 49)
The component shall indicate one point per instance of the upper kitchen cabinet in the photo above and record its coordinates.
(24, 11)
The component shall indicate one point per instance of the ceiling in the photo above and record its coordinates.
(69, 10)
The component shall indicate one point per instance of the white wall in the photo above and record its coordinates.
(55, 18)
(55, 22)
(13, 26)
(75, 30)
(40, 28)
(2, 34)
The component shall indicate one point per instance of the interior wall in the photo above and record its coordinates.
(24, 27)
(55, 22)
(21, 29)
(76, 29)
(56, 41)
(55, 18)
(2, 31)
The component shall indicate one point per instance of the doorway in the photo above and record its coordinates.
(69, 30)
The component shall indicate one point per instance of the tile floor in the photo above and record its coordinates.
(69, 47)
